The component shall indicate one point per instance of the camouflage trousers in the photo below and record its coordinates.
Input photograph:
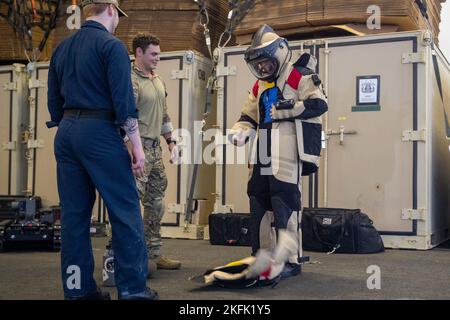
(152, 188)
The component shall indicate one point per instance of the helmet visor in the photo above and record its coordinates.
(263, 68)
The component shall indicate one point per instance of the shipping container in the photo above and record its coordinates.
(185, 74)
(41, 163)
(13, 129)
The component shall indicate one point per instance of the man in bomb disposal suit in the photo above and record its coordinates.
(284, 106)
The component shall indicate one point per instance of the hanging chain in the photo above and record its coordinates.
(204, 22)
(238, 11)
(227, 31)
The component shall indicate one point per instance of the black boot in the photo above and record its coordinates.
(147, 294)
(291, 270)
(94, 295)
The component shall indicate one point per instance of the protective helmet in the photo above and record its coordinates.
(267, 54)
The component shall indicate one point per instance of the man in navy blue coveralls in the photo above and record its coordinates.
(90, 96)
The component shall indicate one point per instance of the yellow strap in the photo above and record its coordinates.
(268, 85)
(247, 260)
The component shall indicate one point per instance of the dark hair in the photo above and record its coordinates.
(142, 41)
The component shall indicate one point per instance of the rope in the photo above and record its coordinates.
(24, 15)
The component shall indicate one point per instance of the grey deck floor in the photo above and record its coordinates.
(405, 274)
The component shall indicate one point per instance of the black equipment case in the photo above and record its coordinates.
(339, 230)
(24, 224)
(229, 229)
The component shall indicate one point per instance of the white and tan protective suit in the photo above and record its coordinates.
(288, 140)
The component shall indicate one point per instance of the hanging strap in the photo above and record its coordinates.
(210, 87)
(239, 9)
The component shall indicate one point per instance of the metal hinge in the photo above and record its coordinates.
(10, 86)
(35, 144)
(414, 57)
(313, 42)
(226, 71)
(413, 214)
(427, 37)
(176, 207)
(9, 146)
(411, 135)
(35, 84)
(189, 57)
(179, 74)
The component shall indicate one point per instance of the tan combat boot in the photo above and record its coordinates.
(167, 264)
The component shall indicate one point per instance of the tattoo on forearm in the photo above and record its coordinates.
(130, 126)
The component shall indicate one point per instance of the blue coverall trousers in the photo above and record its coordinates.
(90, 154)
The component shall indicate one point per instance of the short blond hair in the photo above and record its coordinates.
(94, 9)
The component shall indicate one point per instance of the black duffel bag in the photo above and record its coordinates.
(339, 230)
(229, 229)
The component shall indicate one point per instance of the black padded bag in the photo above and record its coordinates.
(229, 229)
(339, 230)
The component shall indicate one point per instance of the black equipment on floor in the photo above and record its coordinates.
(24, 224)
(340, 231)
(229, 229)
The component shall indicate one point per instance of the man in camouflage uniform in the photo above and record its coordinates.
(150, 94)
